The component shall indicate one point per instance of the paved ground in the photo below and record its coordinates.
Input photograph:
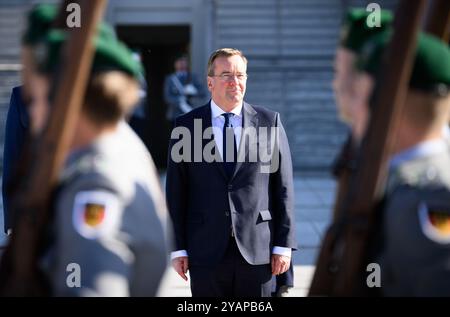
(314, 197)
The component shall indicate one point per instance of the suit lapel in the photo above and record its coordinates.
(249, 120)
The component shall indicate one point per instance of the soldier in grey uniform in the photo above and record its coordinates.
(415, 227)
(108, 234)
(355, 31)
(107, 221)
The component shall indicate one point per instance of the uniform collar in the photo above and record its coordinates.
(423, 149)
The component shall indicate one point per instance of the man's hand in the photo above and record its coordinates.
(280, 264)
(181, 266)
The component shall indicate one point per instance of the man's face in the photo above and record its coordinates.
(181, 65)
(228, 91)
(342, 83)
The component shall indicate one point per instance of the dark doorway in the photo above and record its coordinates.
(158, 46)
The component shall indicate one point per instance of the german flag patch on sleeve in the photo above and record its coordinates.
(95, 213)
(435, 222)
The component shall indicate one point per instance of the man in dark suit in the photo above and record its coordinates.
(231, 199)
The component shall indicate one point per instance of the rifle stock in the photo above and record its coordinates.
(19, 272)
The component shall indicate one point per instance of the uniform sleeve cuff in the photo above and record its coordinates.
(177, 254)
(282, 251)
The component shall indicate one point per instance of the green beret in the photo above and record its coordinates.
(110, 53)
(40, 20)
(431, 69)
(355, 30)
(371, 53)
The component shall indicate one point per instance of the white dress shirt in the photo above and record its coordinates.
(218, 121)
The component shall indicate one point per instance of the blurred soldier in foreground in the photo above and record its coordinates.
(415, 243)
(108, 226)
(17, 129)
(355, 32)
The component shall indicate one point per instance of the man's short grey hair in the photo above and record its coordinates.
(223, 52)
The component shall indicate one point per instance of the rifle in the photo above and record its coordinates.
(340, 265)
(438, 19)
(19, 272)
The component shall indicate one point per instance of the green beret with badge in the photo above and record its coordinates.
(40, 20)
(431, 69)
(356, 30)
(110, 53)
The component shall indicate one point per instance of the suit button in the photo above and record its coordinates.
(227, 213)
(230, 187)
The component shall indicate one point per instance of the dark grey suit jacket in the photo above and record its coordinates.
(204, 204)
